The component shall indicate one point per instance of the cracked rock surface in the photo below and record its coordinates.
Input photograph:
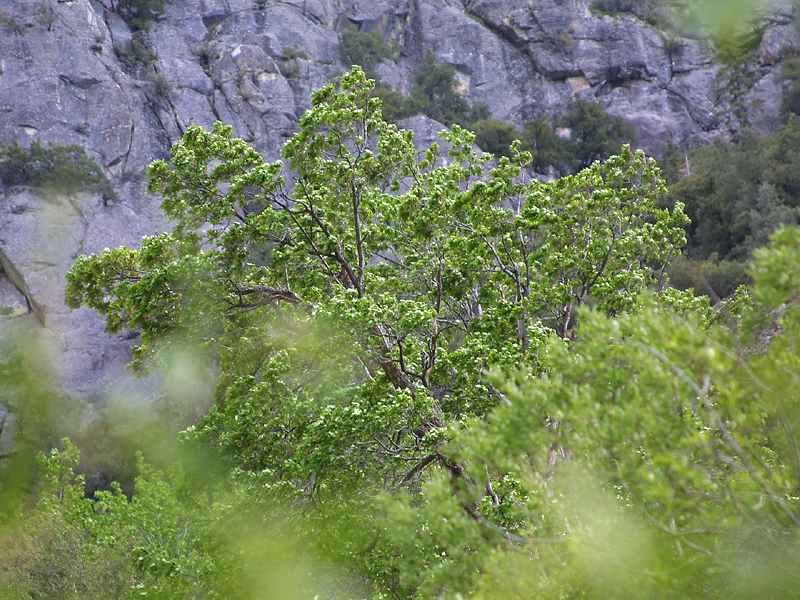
(254, 64)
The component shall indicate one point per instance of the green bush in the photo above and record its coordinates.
(139, 14)
(791, 75)
(734, 47)
(593, 135)
(139, 53)
(396, 106)
(548, 149)
(364, 48)
(435, 93)
(66, 169)
(10, 23)
(161, 85)
(46, 14)
(292, 53)
(659, 13)
(495, 136)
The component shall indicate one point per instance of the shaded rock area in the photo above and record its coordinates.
(87, 78)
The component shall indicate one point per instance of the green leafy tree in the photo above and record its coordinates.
(422, 274)
(615, 453)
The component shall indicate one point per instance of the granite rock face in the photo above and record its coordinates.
(85, 77)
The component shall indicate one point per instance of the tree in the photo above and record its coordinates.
(357, 312)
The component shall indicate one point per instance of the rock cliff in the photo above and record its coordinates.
(74, 72)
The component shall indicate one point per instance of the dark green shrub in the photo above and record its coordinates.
(595, 135)
(364, 48)
(656, 12)
(613, 7)
(396, 106)
(46, 14)
(139, 14)
(291, 53)
(590, 134)
(548, 149)
(791, 74)
(495, 136)
(139, 53)
(161, 85)
(10, 23)
(734, 47)
(714, 278)
(435, 94)
(66, 169)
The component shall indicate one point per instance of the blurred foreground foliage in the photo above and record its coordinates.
(435, 378)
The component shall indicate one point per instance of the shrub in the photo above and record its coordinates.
(652, 11)
(396, 106)
(66, 169)
(791, 75)
(139, 53)
(593, 135)
(364, 48)
(734, 47)
(161, 85)
(140, 13)
(46, 14)
(435, 94)
(548, 149)
(291, 53)
(10, 23)
(715, 278)
(495, 136)
(49, 557)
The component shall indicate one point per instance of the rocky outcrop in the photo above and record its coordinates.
(86, 78)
